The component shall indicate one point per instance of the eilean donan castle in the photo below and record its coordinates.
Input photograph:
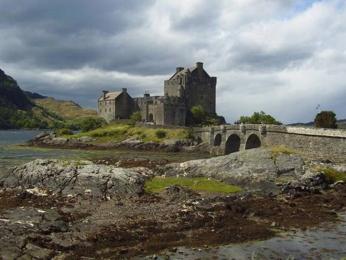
(186, 88)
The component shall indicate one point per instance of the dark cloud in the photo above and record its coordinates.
(266, 54)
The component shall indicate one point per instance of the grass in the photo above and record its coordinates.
(118, 132)
(157, 184)
(65, 109)
(282, 149)
(332, 175)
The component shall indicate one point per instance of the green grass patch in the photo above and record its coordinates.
(157, 184)
(332, 175)
(117, 132)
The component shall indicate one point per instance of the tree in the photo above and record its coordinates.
(326, 119)
(259, 118)
(198, 114)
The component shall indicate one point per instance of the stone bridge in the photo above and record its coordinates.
(227, 139)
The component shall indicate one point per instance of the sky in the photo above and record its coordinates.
(284, 57)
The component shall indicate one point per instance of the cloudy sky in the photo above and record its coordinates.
(284, 57)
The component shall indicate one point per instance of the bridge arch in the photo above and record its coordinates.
(217, 140)
(232, 144)
(253, 141)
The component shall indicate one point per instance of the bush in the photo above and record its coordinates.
(326, 119)
(136, 117)
(63, 131)
(91, 123)
(198, 114)
(160, 134)
(259, 118)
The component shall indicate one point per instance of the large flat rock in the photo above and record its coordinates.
(77, 178)
(246, 167)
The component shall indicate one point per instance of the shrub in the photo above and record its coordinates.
(198, 114)
(333, 175)
(91, 123)
(136, 117)
(63, 131)
(259, 118)
(160, 133)
(326, 119)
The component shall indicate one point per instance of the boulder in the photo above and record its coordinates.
(244, 168)
(77, 178)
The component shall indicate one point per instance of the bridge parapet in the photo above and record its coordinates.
(225, 138)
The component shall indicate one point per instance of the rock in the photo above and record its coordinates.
(38, 252)
(85, 139)
(289, 164)
(58, 141)
(249, 167)
(176, 192)
(77, 177)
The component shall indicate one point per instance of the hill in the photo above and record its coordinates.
(65, 109)
(18, 111)
(341, 124)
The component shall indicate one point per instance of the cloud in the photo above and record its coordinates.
(280, 56)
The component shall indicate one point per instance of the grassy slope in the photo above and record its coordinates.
(118, 132)
(65, 109)
(158, 184)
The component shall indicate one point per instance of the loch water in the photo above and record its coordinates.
(14, 152)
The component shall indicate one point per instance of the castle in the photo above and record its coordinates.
(186, 88)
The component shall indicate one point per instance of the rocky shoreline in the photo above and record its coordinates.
(51, 140)
(55, 209)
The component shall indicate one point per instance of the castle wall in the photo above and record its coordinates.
(120, 108)
(106, 109)
(175, 114)
(174, 87)
(201, 90)
(124, 107)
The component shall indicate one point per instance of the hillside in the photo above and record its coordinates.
(11, 96)
(341, 124)
(65, 109)
(18, 111)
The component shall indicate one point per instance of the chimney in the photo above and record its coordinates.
(178, 69)
(146, 94)
(124, 90)
(105, 92)
(199, 65)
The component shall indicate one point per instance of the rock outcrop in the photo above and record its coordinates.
(77, 178)
(249, 167)
(52, 140)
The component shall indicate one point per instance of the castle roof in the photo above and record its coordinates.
(183, 71)
(110, 95)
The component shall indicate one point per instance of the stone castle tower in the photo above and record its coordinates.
(194, 86)
(186, 88)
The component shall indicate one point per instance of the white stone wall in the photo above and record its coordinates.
(317, 131)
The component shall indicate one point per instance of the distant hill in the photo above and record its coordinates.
(11, 96)
(18, 111)
(341, 124)
(66, 109)
(33, 95)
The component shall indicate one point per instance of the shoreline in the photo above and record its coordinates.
(147, 224)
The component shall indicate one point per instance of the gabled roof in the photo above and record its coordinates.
(111, 95)
(186, 70)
